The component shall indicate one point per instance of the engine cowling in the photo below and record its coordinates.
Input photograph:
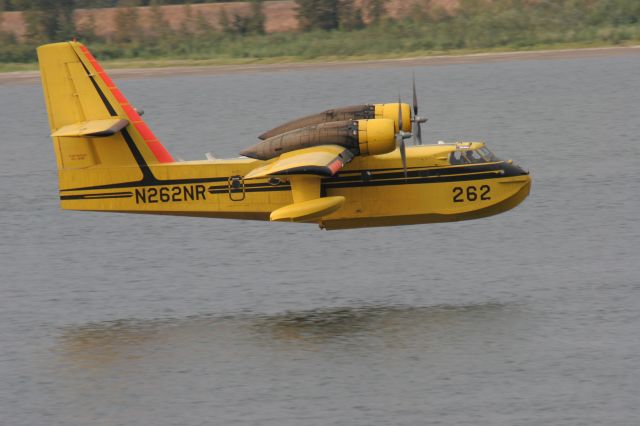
(362, 137)
(390, 111)
(376, 136)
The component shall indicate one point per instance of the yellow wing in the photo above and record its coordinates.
(322, 160)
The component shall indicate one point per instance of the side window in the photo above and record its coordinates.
(468, 156)
(455, 158)
(475, 157)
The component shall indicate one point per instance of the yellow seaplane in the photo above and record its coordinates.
(343, 168)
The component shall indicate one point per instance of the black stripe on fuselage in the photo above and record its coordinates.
(224, 189)
(412, 181)
(355, 176)
(416, 172)
(97, 196)
(156, 182)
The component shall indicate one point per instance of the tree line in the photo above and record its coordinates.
(332, 28)
(16, 5)
(49, 20)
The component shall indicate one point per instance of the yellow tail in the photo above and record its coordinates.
(92, 124)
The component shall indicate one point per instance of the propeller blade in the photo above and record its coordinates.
(416, 121)
(415, 96)
(403, 155)
(400, 137)
(399, 114)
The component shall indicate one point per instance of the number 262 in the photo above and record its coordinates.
(471, 193)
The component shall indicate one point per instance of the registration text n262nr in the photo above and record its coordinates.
(170, 194)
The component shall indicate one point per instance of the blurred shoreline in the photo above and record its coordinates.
(30, 77)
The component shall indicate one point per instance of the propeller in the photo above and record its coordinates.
(417, 134)
(400, 137)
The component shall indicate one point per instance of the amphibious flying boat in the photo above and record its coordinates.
(342, 168)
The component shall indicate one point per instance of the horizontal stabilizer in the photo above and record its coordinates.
(308, 211)
(93, 128)
(322, 160)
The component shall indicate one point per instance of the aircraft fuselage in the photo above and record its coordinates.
(374, 187)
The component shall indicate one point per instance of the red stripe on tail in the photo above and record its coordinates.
(145, 131)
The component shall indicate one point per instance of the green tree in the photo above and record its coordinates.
(350, 16)
(158, 25)
(188, 24)
(257, 18)
(225, 22)
(66, 21)
(318, 14)
(241, 24)
(49, 20)
(203, 27)
(86, 31)
(127, 22)
(376, 10)
(5, 5)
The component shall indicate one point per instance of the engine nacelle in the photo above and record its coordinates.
(356, 112)
(362, 137)
(390, 111)
(376, 136)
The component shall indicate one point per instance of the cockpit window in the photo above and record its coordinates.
(488, 155)
(472, 156)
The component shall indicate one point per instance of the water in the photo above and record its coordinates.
(526, 318)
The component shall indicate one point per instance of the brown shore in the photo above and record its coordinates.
(30, 77)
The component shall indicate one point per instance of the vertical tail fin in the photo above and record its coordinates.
(92, 123)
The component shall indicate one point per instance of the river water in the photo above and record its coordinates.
(526, 318)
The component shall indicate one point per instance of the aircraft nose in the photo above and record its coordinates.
(513, 169)
(522, 169)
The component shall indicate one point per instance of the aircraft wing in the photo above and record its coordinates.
(321, 160)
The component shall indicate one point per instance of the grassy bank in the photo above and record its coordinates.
(149, 63)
